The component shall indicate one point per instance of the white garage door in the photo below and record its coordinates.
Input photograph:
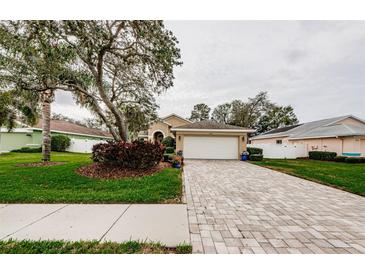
(200, 147)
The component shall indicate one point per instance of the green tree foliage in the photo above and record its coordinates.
(200, 112)
(277, 116)
(109, 66)
(222, 113)
(258, 113)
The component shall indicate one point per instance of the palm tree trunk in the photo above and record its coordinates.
(46, 125)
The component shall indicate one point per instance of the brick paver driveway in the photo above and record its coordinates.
(236, 207)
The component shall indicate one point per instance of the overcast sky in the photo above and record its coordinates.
(318, 67)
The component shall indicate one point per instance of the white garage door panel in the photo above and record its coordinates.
(200, 147)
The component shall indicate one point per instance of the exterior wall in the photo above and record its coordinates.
(175, 121)
(338, 145)
(351, 121)
(14, 140)
(242, 139)
(159, 126)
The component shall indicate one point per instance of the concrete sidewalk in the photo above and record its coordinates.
(165, 223)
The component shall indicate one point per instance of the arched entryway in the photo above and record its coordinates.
(158, 136)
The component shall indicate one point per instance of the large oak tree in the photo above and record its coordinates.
(114, 68)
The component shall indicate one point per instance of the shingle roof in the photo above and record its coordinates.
(325, 127)
(209, 124)
(69, 127)
(281, 129)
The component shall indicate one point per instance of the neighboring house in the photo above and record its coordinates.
(82, 138)
(344, 135)
(162, 128)
(210, 140)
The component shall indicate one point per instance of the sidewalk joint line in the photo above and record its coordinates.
(43, 217)
(115, 222)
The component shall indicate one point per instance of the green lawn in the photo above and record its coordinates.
(349, 177)
(60, 184)
(88, 247)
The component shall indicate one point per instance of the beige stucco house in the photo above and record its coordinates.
(162, 128)
(210, 140)
(344, 135)
(200, 140)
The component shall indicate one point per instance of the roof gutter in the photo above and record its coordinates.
(210, 130)
(73, 133)
(262, 137)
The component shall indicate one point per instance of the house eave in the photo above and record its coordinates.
(78, 134)
(212, 130)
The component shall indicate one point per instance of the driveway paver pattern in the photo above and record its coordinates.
(237, 207)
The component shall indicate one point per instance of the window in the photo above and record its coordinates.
(279, 142)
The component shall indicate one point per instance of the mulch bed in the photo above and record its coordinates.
(40, 164)
(103, 171)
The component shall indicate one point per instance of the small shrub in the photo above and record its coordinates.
(254, 150)
(60, 143)
(184, 249)
(169, 142)
(135, 155)
(169, 150)
(28, 150)
(256, 157)
(353, 160)
(322, 155)
(340, 158)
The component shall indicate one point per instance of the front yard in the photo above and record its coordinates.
(60, 183)
(349, 177)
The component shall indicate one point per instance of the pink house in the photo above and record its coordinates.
(344, 135)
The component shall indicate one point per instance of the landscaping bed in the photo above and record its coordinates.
(345, 176)
(88, 247)
(103, 171)
(61, 184)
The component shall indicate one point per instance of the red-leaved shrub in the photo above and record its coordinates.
(136, 155)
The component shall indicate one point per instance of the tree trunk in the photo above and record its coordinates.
(46, 125)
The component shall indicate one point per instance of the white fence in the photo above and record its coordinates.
(83, 145)
(283, 151)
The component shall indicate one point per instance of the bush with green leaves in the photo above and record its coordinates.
(322, 155)
(169, 142)
(254, 150)
(256, 157)
(28, 150)
(135, 155)
(169, 150)
(60, 143)
(355, 160)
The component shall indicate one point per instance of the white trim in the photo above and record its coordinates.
(157, 130)
(262, 137)
(73, 133)
(178, 116)
(212, 130)
(16, 130)
(316, 137)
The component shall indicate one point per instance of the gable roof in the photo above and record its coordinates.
(68, 127)
(177, 116)
(321, 128)
(210, 125)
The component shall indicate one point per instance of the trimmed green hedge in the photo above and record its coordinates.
(340, 159)
(322, 155)
(28, 150)
(254, 150)
(357, 160)
(256, 157)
